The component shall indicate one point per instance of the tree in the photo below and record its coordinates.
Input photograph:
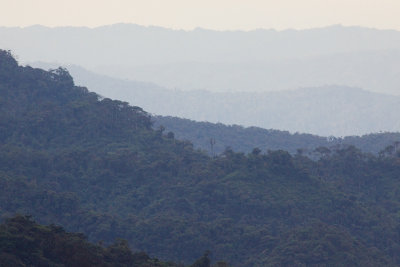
(204, 261)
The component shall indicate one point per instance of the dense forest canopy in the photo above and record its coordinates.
(25, 243)
(245, 139)
(93, 165)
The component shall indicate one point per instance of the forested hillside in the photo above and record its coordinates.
(322, 110)
(216, 137)
(25, 243)
(96, 166)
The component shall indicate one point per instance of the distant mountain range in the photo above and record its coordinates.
(325, 111)
(377, 71)
(135, 45)
(259, 60)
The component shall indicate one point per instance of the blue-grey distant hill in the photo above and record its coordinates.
(215, 138)
(377, 71)
(328, 110)
(259, 60)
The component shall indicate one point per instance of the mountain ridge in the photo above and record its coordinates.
(325, 111)
(96, 166)
(389, 40)
(245, 139)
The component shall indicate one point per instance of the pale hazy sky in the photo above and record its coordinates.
(211, 14)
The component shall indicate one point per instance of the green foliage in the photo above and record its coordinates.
(96, 166)
(246, 139)
(204, 261)
(25, 243)
(322, 245)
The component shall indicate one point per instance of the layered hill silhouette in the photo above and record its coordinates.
(329, 110)
(374, 70)
(216, 137)
(94, 165)
(259, 60)
(139, 45)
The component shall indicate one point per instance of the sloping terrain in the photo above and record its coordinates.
(96, 166)
(259, 60)
(216, 137)
(324, 110)
(25, 243)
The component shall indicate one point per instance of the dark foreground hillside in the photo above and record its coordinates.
(96, 166)
(25, 243)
